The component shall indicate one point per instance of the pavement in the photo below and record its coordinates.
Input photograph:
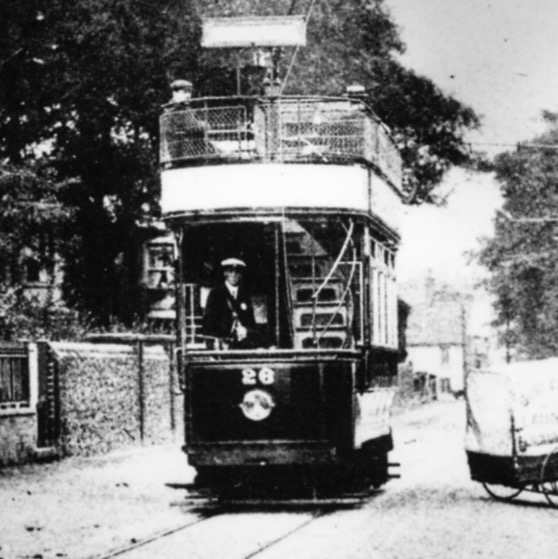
(79, 507)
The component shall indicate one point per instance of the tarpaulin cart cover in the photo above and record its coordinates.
(512, 421)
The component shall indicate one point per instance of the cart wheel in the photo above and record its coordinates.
(502, 492)
(550, 487)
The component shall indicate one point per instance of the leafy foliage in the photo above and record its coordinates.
(82, 83)
(356, 41)
(523, 254)
(105, 73)
(30, 204)
(33, 228)
(428, 127)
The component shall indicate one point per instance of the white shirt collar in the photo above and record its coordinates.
(232, 289)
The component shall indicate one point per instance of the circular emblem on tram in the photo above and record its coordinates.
(257, 405)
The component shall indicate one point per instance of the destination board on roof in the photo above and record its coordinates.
(245, 32)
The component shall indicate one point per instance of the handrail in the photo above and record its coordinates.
(290, 312)
(342, 298)
(348, 238)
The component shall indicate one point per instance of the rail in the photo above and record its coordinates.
(282, 130)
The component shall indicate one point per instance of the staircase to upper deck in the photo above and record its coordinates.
(321, 305)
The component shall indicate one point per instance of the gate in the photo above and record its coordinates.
(48, 405)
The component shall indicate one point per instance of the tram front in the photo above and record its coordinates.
(295, 193)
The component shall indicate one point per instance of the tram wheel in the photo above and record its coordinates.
(502, 492)
(548, 485)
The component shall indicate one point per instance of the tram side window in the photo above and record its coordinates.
(383, 296)
(159, 265)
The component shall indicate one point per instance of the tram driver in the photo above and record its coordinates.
(229, 314)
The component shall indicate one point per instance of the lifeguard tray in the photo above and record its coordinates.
(512, 423)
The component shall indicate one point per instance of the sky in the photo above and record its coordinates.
(501, 58)
(438, 241)
(498, 56)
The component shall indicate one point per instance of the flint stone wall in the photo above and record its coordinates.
(111, 399)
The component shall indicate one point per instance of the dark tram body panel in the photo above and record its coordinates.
(306, 193)
(310, 419)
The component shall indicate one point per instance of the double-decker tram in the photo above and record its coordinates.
(298, 199)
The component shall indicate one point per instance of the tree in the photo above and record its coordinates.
(114, 77)
(82, 83)
(522, 255)
(33, 229)
(105, 69)
(26, 47)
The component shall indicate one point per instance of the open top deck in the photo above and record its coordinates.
(276, 155)
(280, 130)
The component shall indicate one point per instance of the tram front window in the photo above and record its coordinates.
(280, 284)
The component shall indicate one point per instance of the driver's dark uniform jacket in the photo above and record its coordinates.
(222, 311)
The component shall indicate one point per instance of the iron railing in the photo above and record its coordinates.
(284, 130)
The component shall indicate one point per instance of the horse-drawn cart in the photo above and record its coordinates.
(512, 428)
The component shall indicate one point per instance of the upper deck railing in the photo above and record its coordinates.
(282, 130)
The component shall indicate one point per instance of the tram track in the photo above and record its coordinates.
(260, 549)
(138, 543)
(140, 547)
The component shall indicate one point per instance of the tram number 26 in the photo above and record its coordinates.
(251, 376)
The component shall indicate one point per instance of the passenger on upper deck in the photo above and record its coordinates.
(229, 314)
(181, 93)
(186, 134)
